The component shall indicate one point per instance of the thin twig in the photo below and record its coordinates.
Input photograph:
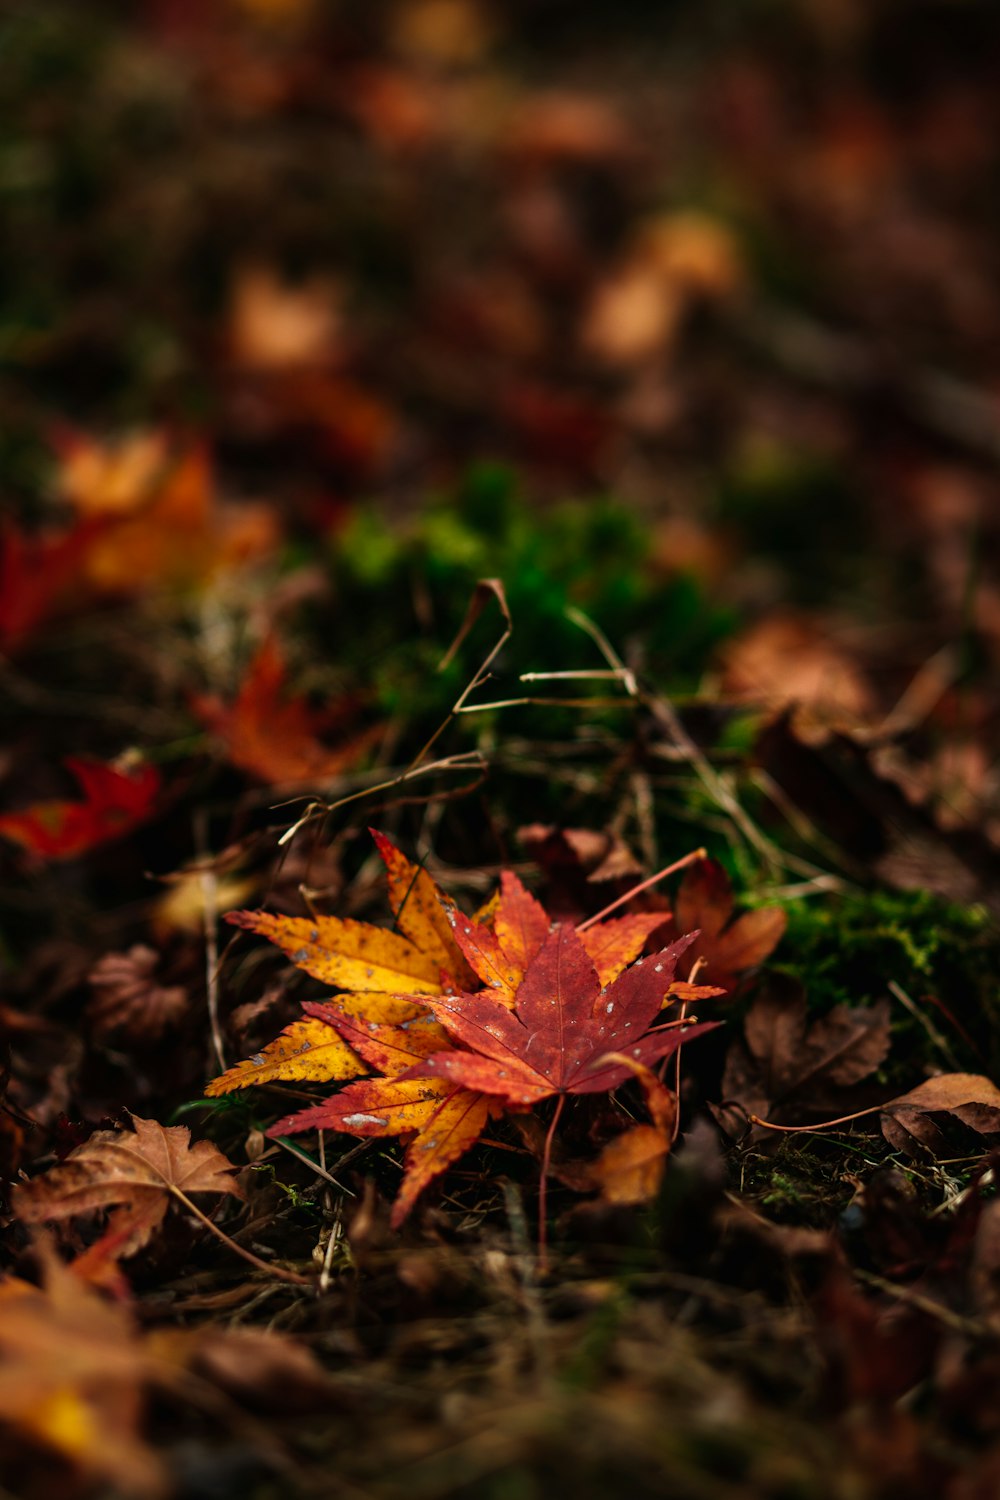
(278, 1272)
(210, 903)
(937, 1039)
(543, 1228)
(873, 1109)
(314, 1166)
(479, 708)
(678, 864)
(606, 649)
(466, 760)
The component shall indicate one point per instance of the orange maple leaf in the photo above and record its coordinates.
(176, 533)
(276, 737)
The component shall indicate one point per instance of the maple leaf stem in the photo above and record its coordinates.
(210, 918)
(678, 864)
(823, 1125)
(275, 1271)
(677, 1069)
(544, 1184)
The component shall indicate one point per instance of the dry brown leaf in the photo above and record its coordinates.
(139, 1171)
(276, 325)
(728, 946)
(630, 1168)
(788, 1066)
(790, 661)
(973, 1100)
(125, 996)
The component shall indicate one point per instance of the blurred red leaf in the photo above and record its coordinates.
(115, 801)
(36, 574)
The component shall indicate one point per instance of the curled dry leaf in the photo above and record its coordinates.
(630, 1168)
(136, 1172)
(115, 800)
(125, 996)
(908, 1123)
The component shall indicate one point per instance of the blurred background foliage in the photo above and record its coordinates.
(680, 315)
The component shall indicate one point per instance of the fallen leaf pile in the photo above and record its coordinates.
(535, 1007)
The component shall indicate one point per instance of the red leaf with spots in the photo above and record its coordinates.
(443, 1120)
(556, 1037)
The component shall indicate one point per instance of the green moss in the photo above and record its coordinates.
(411, 586)
(945, 958)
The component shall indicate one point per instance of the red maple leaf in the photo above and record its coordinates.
(508, 949)
(114, 802)
(562, 1015)
(37, 573)
(563, 1023)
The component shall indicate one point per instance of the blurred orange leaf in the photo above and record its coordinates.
(276, 737)
(180, 535)
(71, 1379)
